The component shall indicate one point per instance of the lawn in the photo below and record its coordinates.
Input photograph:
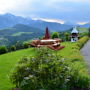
(7, 63)
(9, 60)
(67, 51)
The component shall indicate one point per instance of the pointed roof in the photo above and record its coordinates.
(47, 36)
(74, 30)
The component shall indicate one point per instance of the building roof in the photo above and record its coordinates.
(74, 30)
(48, 40)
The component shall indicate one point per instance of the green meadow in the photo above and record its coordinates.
(8, 61)
(82, 30)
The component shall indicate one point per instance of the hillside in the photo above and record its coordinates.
(19, 32)
(8, 62)
(82, 30)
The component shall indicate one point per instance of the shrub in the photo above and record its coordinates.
(55, 35)
(3, 49)
(25, 45)
(44, 71)
(19, 45)
(67, 38)
(79, 77)
(82, 41)
(13, 48)
(48, 71)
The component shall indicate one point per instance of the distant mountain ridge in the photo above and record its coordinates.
(85, 25)
(51, 25)
(9, 20)
(16, 28)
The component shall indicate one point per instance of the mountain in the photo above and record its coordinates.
(26, 28)
(19, 32)
(53, 26)
(85, 25)
(15, 28)
(9, 20)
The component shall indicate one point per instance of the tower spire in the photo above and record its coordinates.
(47, 36)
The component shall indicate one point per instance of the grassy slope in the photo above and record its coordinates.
(81, 30)
(74, 57)
(8, 61)
(67, 50)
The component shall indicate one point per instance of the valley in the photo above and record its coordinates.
(16, 33)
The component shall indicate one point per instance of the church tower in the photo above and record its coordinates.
(74, 35)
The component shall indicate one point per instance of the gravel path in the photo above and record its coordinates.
(85, 51)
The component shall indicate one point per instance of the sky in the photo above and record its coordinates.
(50, 10)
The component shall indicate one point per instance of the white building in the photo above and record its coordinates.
(74, 35)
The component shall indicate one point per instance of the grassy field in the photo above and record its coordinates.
(67, 51)
(82, 30)
(9, 60)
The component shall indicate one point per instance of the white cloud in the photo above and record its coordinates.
(82, 23)
(64, 9)
(50, 20)
(6, 5)
(11, 5)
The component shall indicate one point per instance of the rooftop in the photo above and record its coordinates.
(74, 30)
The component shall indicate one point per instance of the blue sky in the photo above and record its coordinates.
(64, 10)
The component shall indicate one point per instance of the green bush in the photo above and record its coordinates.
(48, 71)
(19, 45)
(44, 71)
(13, 48)
(3, 49)
(79, 77)
(55, 35)
(79, 80)
(25, 45)
(67, 36)
(82, 41)
(79, 72)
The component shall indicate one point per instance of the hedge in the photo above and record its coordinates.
(82, 41)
